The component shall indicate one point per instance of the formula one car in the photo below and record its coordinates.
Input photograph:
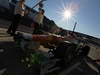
(64, 54)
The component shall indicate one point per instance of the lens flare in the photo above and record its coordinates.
(67, 14)
(67, 10)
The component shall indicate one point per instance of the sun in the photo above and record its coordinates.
(67, 14)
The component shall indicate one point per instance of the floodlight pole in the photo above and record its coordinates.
(38, 3)
(74, 26)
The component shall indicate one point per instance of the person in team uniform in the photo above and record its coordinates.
(18, 14)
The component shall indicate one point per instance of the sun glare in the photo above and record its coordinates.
(67, 14)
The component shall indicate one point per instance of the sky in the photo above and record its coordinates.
(85, 12)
